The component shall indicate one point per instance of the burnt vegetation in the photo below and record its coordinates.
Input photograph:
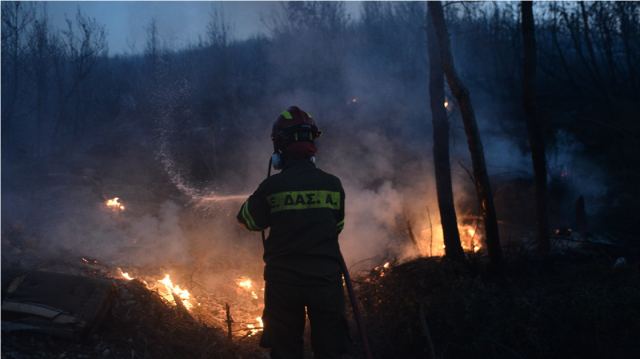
(75, 116)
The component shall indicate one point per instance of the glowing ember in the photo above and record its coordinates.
(254, 328)
(170, 292)
(115, 205)
(89, 260)
(382, 268)
(125, 275)
(245, 283)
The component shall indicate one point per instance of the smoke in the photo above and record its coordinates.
(377, 139)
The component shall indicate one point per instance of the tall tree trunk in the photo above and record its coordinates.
(461, 93)
(534, 128)
(441, 163)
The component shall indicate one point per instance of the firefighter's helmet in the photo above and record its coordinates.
(293, 125)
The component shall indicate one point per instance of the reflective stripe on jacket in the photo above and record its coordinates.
(304, 208)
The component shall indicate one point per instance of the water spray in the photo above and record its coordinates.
(200, 197)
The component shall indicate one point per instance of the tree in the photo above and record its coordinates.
(40, 50)
(84, 42)
(16, 18)
(441, 163)
(218, 29)
(534, 128)
(152, 47)
(474, 142)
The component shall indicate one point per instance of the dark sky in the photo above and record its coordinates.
(179, 22)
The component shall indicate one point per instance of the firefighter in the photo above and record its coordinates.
(304, 208)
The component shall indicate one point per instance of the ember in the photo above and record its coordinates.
(382, 269)
(115, 205)
(88, 260)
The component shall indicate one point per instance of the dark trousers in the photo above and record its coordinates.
(284, 319)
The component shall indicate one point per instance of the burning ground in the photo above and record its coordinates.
(177, 259)
(579, 304)
(149, 316)
(173, 267)
(141, 324)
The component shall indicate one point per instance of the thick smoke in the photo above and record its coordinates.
(377, 139)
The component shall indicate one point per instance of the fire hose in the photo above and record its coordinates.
(355, 307)
(352, 295)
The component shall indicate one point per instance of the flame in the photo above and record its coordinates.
(470, 238)
(166, 288)
(431, 239)
(446, 103)
(248, 286)
(245, 283)
(125, 275)
(172, 291)
(254, 328)
(470, 231)
(115, 205)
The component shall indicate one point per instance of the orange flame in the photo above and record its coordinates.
(171, 291)
(167, 290)
(245, 283)
(125, 275)
(254, 328)
(431, 239)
